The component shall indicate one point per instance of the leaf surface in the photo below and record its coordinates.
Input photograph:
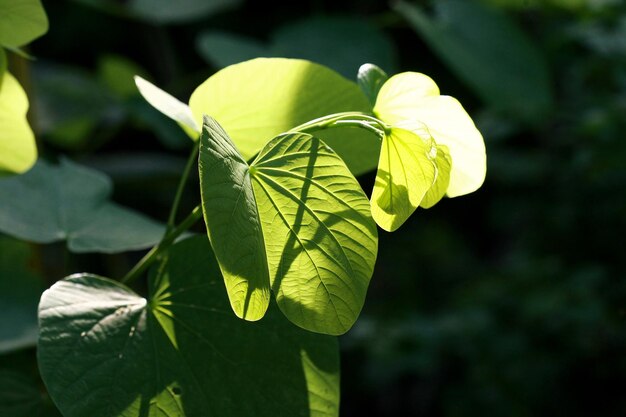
(256, 100)
(105, 351)
(499, 62)
(412, 97)
(22, 22)
(320, 241)
(71, 202)
(18, 151)
(405, 174)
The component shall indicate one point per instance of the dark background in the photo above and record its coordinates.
(509, 301)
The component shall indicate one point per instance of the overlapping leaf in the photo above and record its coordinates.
(317, 236)
(405, 174)
(70, 202)
(259, 99)
(105, 351)
(414, 98)
(18, 151)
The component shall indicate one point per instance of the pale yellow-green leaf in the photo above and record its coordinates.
(18, 151)
(413, 96)
(405, 174)
(256, 100)
(169, 106)
(438, 190)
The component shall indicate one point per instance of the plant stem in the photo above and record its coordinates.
(168, 239)
(347, 119)
(171, 221)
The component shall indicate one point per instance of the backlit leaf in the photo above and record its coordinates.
(320, 241)
(256, 100)
(105, 351)
(168, 105)
(233, 223)
(405, 174)
(18, 151)
(438, 190)
(414, 97)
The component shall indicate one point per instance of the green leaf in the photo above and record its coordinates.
(18, 151)
(371, 78)
(105, 351)
(71, 202)
(443, 162)
(168, 105)
(256, 100)
(317, 236)
(413, 98)
(3, 64)
(499, 61)
(22, 21)
(233, 223)
(20, 290)
(405, 174)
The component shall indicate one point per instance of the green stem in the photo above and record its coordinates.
(171, 221)
(347, 119)
(166, 242)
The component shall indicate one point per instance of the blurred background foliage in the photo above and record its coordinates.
(510, 301)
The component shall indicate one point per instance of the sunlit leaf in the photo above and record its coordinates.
(18, 151)
(443, 162)
(320, 241)
(498, 61)
(414, 97)
(405, 174)
(22, 21)
(71, 202)
(256, 100)
(168, 105)
(371, 78)
(105, 351)
(233, 223)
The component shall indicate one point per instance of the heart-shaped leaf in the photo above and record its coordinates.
(18, 151)
(71, 202)
(256, 100)
(105, 351)
(22, 21)
(406, 172)
(317, 236)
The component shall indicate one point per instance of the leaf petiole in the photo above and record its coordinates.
(166, 242)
